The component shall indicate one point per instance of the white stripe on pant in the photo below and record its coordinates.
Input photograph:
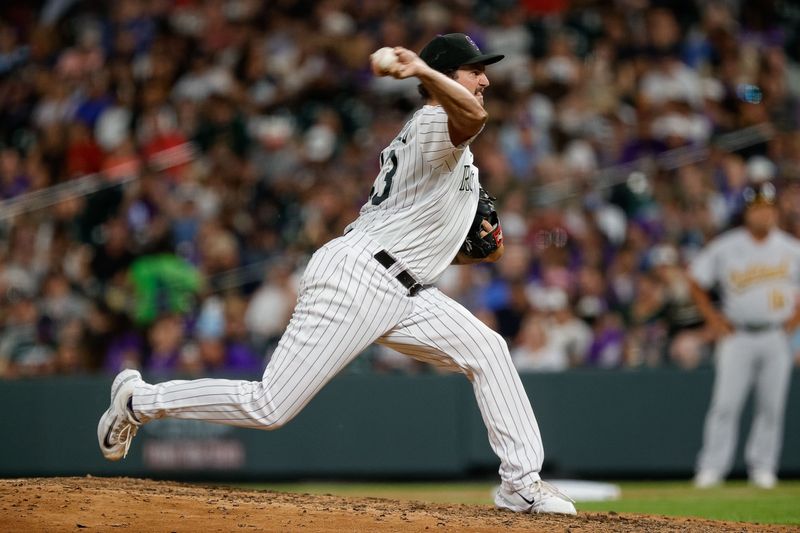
(348, 301)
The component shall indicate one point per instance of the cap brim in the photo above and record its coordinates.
(485, 59)
(761, 201)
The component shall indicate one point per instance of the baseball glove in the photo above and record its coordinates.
(485, 235)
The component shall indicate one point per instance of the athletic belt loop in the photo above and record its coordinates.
(405, 277)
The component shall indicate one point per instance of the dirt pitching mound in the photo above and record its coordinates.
(124, 504)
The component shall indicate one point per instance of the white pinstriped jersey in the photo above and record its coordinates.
(425, 196)
(759, 280)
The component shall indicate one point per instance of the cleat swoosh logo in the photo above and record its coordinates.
(529, 502)
(106, 441)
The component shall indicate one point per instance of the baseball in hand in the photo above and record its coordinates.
(383, 59)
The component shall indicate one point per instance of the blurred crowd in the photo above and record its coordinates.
(168, 166)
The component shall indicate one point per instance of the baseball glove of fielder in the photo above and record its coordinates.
(483, 239)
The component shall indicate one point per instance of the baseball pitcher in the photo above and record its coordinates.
(425, 211)
(757, 270)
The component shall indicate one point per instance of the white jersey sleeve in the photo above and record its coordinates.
(795, 247)
(434, 140)
(705, 268)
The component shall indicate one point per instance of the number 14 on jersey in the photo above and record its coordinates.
(777, 300)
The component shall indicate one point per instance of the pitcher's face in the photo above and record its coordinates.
(474, 78)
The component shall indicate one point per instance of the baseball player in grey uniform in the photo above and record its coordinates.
(426, 210)
(757, 270)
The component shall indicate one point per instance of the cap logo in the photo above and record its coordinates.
(472, 43)
(764, 192)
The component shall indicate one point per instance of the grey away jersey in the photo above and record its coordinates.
(758, 280)
(425, 196)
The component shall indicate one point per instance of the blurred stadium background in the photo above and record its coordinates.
(168, 167)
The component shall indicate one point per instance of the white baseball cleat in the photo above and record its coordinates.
(763, 479)
(707, 479)
(118, 426)
(541, 497)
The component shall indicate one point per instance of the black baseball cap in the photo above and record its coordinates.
(763, 193)
(451, 51)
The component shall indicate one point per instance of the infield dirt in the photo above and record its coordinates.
(124, 504)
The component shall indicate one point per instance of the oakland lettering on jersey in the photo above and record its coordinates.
(742, 279)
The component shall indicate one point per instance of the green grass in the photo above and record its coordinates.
(735, 501)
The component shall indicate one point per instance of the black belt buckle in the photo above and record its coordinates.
(384, 258)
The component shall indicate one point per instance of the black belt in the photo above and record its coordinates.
(384, 258)
(757, 327)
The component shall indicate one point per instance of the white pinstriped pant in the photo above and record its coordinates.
(347, 300)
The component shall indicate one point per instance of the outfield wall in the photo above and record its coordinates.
(595, 423)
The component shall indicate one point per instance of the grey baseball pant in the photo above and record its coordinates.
(761, 361)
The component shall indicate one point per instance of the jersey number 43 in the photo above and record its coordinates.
(389, 167)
